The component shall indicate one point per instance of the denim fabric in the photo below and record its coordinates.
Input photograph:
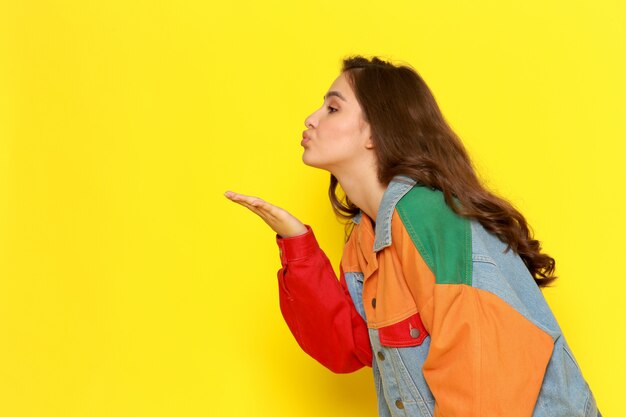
(400, 385)
(396, 189)
(564, 391)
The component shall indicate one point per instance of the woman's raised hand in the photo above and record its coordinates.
(280, 220)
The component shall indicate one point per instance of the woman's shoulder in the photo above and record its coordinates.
(424, 210)
(442, 237)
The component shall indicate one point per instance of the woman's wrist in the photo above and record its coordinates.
(296, 233)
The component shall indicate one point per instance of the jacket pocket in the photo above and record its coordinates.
(405, 333)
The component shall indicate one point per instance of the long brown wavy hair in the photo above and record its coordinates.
(411, 137)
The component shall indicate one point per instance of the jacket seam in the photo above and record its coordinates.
(468, 253)
(421, 248)
(395, 319)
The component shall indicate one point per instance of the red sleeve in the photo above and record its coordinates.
(317, 307)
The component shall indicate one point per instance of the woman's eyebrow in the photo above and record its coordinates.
(335, 93)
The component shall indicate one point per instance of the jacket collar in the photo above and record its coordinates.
(397, 188)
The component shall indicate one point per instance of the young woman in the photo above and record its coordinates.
(439, 286)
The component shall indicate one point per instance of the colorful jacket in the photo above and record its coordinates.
(451, 322)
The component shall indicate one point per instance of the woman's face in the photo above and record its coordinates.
(338, 134)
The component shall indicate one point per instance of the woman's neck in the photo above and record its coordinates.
(365, 191)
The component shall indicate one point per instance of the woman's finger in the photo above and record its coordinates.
(251, 200)
(237, 198)
(268, 210)
(260, 208)
(240, 197)
(281, 221)
(249, 206)
(257, 206)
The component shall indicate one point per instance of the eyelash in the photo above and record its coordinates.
(331, 108)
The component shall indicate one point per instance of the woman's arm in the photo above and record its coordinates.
(316, 306)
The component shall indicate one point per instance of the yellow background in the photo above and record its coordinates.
(130, 286)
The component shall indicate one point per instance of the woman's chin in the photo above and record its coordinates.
(307, 160)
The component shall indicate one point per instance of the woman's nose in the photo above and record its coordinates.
(309, 121)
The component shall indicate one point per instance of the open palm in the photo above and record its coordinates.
(280, 220)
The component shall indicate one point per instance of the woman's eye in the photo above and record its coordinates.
(331, 108)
